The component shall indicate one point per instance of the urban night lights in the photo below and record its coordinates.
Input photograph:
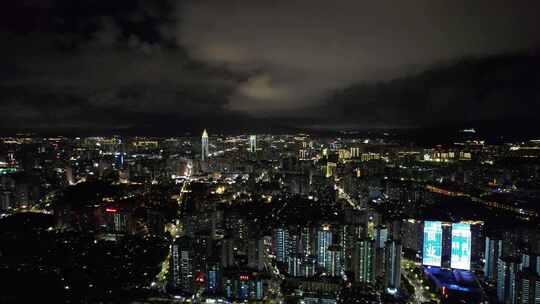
(212, 218)
(289, 152)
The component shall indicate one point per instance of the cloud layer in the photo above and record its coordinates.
(298, 51)
(169, 65)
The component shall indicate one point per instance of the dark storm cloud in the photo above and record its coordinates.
(502, 88)
(100, 65)
(176, 64)
(302, 49)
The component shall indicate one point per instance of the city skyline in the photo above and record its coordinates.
(270, 152)
(275, 218)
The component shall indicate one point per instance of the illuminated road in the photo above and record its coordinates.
(172, 228)
(275, 294)
(418, 290)
(348, 198)
(421, 295)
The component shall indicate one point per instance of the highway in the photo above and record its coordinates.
(348, 198)
(421, 294)
(172, 228)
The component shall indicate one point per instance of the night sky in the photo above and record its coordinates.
(167, 67)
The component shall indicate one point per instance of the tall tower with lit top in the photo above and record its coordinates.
(253, 143)
(204, 146)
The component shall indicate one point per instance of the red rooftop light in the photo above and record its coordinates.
(111, 210)
(244, 278)
(200, 278)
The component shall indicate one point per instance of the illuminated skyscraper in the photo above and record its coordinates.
(324, 240)
(393, 264)
(348, 234)
(306, 242)
(507, 270)
(227, 252)
(432, 244)
(256, 254)
(379, 253)
(182, 265)
(363, 260)
(253, 143)
(493, 252)
(355, 152)
(214, 277)
(281, 241)
(381, 236)
(334, 264)
(204, 146)
(461, 246)
(528, 287)
(69, 175)
(330, 169)
(116, 220)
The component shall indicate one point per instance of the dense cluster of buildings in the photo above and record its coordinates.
(296, 217)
